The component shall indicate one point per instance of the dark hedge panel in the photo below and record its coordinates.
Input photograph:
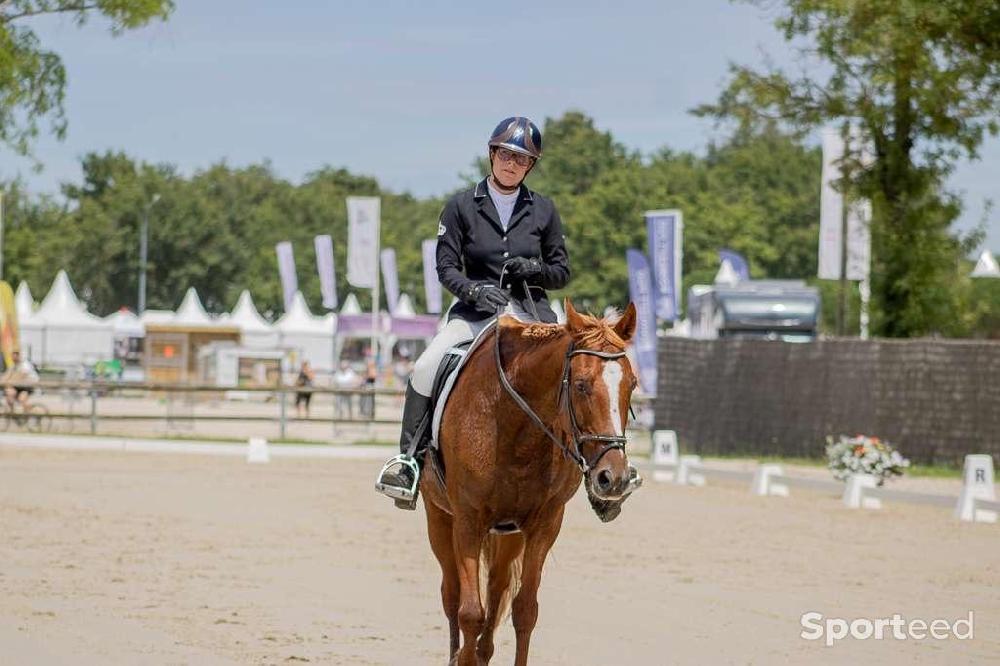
(936, 400)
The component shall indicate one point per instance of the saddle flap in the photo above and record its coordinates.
(448, 371)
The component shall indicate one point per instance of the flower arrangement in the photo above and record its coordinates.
(864, 455)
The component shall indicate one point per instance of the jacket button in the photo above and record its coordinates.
(505, 238)
(506, 253)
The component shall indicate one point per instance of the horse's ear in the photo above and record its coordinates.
(574, 321)
(625, 328)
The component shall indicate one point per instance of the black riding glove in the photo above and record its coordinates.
(520, 267)
(488, 297)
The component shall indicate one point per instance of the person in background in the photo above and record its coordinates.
(371, 377)
(346, 379)
(18, 381)
(307, 377)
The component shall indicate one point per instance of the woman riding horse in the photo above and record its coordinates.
(497, 229)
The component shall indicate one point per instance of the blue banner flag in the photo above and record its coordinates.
(737, 261)
(666, 231)
(640, 287)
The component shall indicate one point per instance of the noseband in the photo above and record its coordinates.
(612, 442)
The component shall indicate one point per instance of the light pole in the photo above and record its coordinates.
(143, 243)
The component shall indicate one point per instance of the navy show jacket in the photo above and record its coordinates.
(473, 246)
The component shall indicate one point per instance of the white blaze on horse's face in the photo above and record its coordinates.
(612, 376)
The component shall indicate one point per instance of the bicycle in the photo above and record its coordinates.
(33, 416)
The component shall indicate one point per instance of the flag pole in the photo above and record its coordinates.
(375, 289)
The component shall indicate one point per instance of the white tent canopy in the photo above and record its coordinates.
(404, 307)
(125, 324)
(24, 304)
(309, 336)
(191, 312)
(256, 332)
(66, 333)
(986, 266)
(351, 305)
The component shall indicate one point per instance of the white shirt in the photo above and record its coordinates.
(504, 202)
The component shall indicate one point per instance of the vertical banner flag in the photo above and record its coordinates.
(831, 212)
(831, 207)
(363, 214)
(737, 261)
(286, 269)
(324, 266)
(666, 232)
(640, 287)
(432, 286)
(859, 218)
(391, 278)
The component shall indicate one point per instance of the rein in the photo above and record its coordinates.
(576, 454)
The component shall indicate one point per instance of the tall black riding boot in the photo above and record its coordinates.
(400, 475)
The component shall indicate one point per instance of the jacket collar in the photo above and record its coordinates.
(482, 191)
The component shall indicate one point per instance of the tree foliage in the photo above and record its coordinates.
(33, 78)
(921, 78)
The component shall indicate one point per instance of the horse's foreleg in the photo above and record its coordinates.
(468, 540)
(439, 525)
(525, 609)
(505, 550)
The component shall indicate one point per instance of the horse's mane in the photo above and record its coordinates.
(596, 333)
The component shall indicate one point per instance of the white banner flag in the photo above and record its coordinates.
(831, 213)
(390, 278)
(363, 214)
(286, 269)
(324, 266)
(432, 286)
(831, 207)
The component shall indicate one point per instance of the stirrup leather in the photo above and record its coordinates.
(395, 492)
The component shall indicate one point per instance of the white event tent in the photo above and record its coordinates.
(64, 332)
(191, 312)
(309, 336)
(256, 332)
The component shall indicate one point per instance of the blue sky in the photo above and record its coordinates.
(404, 91)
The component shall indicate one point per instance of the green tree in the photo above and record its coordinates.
(32, 78)
(921, 78)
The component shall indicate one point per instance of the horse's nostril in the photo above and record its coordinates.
(604, 480)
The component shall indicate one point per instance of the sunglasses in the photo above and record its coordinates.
(518, 158)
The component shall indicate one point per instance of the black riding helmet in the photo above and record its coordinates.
(519, 135)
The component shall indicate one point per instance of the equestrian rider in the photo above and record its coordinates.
(498, 228)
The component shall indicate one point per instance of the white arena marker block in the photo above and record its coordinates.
(257, 451)
(687, 471)
(665, 452)
(854, 493)
(977, 483)
(762, 483)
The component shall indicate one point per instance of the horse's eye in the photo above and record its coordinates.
(582, 386)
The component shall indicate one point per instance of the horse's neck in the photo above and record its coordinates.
(537, 378)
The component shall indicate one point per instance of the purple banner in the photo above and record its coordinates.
(422, 327)
(737, 261)
(286, 269)
(356, 325)
(432, 286)
(665, 233)
(324, 266)
(390, 278)
(640, 287)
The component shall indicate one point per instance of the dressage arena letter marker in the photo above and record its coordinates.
(687, 471)
(257, 451)
(665, 455)
(854, 493)
(977, 484)
(762, 483)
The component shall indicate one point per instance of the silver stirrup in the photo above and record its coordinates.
(395, 492)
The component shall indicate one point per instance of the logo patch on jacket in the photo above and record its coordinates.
(441, 229)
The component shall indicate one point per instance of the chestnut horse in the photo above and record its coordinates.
(509, 476)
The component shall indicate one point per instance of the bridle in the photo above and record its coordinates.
(612, 442)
